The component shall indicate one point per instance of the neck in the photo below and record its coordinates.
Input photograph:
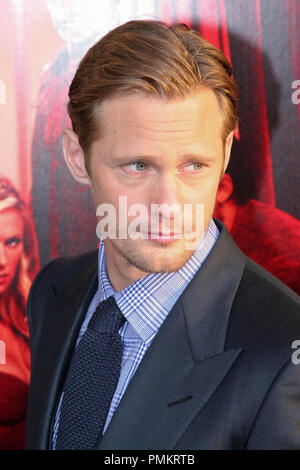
(120, 271)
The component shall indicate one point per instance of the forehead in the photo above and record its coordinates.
(11, 223)
(136, 116)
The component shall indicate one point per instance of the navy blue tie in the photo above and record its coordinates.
(91, 380)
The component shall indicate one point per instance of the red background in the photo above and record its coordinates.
(40, 45)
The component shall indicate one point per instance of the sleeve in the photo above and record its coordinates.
(34, 290)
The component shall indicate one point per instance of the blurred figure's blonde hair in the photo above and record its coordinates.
(13, 301)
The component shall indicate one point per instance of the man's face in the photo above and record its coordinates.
(153, 152)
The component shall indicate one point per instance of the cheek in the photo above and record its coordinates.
(105, 187)
(13, 257)
(206, 195)
(110, 189)
(102, 192)
(206, 191)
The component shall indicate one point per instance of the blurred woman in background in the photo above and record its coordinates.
(18, 266)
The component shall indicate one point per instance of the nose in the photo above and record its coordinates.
(3, 258)
(166, 191)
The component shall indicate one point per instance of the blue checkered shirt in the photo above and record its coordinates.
(145, 304)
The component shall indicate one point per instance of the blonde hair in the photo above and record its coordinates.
(152, 58)
(13, 301)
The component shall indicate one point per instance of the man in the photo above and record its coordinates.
(148, 343)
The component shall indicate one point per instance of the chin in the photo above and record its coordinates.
(153, 259)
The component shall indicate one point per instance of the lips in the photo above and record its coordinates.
(164, 235)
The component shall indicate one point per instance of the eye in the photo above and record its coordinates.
(134, 168)
(197, 165)
(193, 167)
(138, 166)
(13, 242)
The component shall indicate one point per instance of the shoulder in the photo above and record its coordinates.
(54, 277)
(265, 311)
(265, 283)
(61, 271)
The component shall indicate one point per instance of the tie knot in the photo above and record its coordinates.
(107, 317)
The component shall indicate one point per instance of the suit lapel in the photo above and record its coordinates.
(186, 361)
(167, 391)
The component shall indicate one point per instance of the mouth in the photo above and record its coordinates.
(161, 237)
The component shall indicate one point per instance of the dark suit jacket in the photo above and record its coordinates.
(218, 374)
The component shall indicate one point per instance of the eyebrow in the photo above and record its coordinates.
(150, 158)
(14, 236)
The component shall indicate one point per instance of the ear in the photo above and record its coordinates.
(225, 189)
(74, 157)
(228, 145)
